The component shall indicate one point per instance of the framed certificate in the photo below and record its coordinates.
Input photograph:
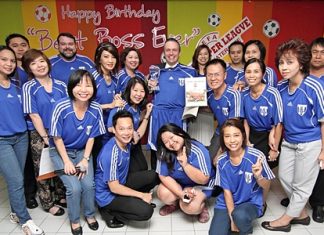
(196, 91)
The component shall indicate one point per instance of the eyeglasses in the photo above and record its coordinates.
(216, 75)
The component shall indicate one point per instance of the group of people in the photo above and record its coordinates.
(92, 116)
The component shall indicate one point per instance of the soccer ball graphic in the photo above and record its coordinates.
(271, 28)
(42, 13)
(213, 20)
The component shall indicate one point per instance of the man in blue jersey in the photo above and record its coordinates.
(169, 93)
(224, 101)
(119, 195)
(68, 60)
(317, 61)
(236, 54)
(20, 44)
(316, 200)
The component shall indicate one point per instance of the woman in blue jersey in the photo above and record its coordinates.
(13, 142)
(256, 49)
(135, 96)
(75, 122)
(262, 107)
(185, 171)
(39, 96)
(302, 148)
(130, 60)
(243, 173)
(106, 61)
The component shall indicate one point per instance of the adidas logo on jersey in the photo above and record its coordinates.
(9, 96)
(80, 127)
(290, 104)
(254, 108)
(82, 67)
(171, 78)
(72, 68)
(52, 100)
(240, 172)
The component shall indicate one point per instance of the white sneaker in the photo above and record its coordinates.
(30, 228)
(13, 218)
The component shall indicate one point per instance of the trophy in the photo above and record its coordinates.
(154, 75)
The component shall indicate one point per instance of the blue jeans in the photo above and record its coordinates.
(243, 216)
(76, 189)
(13, 153)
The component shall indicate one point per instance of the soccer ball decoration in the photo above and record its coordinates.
(213, 20)
(271, 28)
(42, 13)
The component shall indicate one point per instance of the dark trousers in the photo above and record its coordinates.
(30, 185)
(126, 208)
(317, 197)
(260, 140)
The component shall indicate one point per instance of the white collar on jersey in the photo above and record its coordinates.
(167, 66)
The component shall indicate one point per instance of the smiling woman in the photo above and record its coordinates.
(75, 122)
(39, 95)
(185, 171)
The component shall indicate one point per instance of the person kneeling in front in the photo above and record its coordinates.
(119, 201)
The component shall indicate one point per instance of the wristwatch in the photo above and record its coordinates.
(86, 158)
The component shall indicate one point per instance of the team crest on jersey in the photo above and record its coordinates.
(248, 177)
(263, 110)
(225, 111)
(301, 109)
(88, 130)
(181, 81)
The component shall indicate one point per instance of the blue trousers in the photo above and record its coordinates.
(243, 216)
(76, 189)
(13, 153)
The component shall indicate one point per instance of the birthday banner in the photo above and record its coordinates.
(146, 24)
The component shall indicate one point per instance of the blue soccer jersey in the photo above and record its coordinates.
(112, 165)
(270, 77)
(302, 110)
(265, 111)
(12, 119)
(171, 93)
(198, 158)
(135, 112)
(227, 106)
(62, 69)
(37, 100)
(105, 92)
(123, 79)
(239, 179)
(232, 75)
(75, 132)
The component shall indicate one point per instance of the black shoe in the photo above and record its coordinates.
(93, 225)
(59, 212)
(31, 203)
(285, 228)
(153, 205)
(305, 221)
(318, 214)
(76, 231)
(264, 209)
(62, 204)
(114, 223)
(285, 202)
